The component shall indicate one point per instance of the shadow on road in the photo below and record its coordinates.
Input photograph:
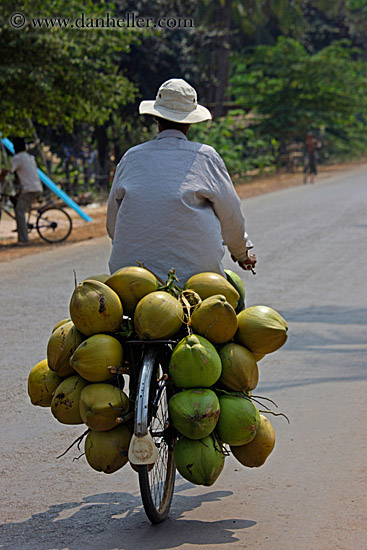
(327, 314)
(117, 521)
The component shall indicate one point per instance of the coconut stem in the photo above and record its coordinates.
(140, 264)
(77, 457)
(266, 399)
(276, 414)
(78, 441)
(75, 279)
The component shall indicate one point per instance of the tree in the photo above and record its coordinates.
(292, 91)
(56, 76)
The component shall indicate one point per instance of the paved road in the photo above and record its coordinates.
(310, 495)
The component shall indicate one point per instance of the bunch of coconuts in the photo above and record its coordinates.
(213, 367)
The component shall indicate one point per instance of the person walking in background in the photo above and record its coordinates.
(310, 160)
(24, 166)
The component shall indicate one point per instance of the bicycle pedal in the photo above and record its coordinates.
(142, 450)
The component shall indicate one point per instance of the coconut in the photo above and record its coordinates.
(194, 413)
(107, 451)
(95, 308)
(255, 453)
(209, 284)
(237, 283)
(65, 401)
(60, 323)
(238, 419)
(258, 356)
(199, 461)
(101, 404)
(261, 329)
(93, 357)
(42, 382)
(158, 315)
(102, 277)
(132, 284)
(239, 368)
(61, 346)
(195, 363)
(215, 319)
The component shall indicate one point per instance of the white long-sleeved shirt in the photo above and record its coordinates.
(173, 204)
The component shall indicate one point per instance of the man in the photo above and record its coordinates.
(310, 165)
(24, 165)
(172, 202)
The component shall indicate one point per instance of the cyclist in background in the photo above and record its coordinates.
(172, 202)
(24, 165)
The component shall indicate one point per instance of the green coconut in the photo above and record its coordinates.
(107, 451)
(95, 308)
(60, 323)
(194, 413)
(42, 382)
(239, 368)
(195, 363)
(158, 315)
(255, 453)
(238, 419)
(215, 319)
(65, 401)
(261, 329)
(61, 346)
(236, 281)
(199, 461)
(209, 284)
(132, 284)
(101, 404)
(93, 357)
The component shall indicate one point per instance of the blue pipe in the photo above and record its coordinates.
(51, 185)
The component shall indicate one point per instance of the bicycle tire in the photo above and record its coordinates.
(156, 483)
(54, 225)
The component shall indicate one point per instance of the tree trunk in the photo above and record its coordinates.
(224, 14)
(103, 170)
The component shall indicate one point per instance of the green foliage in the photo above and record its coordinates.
(293, 91)
(56, 76)
(242, 149)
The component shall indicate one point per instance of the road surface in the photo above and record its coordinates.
(310, 494)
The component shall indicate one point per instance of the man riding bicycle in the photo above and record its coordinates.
(172, 202)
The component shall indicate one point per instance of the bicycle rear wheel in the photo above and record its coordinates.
(54, 225)
(154, 390)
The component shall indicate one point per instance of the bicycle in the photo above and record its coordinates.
(151, 389)
(53, 224)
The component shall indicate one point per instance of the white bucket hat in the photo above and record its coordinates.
(177, 101)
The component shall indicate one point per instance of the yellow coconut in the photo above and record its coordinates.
(132, 284)
(261, 329)
(215, 319)
(101, 404)
(42, 382)
(107, 451)
(102, 277)
(95, 308)
(61, 346)
(65, 401)
(60, 323)
(93, 357)
(255, 453)
(239, 368)
(209, 284)
(158, 315)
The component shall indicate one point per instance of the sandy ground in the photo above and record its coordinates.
(97, 227)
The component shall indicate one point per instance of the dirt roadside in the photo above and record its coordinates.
(97, 227)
